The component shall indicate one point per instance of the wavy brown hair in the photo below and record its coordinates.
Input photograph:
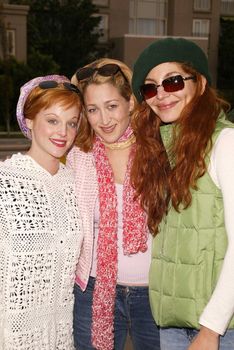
(155, 181)
(85, 136)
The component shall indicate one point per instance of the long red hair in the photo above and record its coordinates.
(157, 182)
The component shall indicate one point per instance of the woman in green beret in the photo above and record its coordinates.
(183, 172)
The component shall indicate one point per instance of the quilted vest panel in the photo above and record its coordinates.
(188, 253)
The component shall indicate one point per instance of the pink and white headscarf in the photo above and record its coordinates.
(25, 91)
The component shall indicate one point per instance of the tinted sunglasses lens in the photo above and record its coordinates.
(108, 69)
(71, 87)
(84, 73)
(173, 84)
(49, 84)
(148, 91)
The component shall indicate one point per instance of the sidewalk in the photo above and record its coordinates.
(11, 145)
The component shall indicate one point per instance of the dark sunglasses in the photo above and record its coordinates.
(106, 71)
(170, 84)
(51, 84)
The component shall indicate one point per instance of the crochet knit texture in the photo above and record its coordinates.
(40, 239)
(135, 237)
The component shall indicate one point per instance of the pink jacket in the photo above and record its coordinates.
(83, 165)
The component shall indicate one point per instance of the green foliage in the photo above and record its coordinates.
(62, 36)
(78, 42)
(225, 81)
(12, 75)
(40, 64)
(64, 30)
(6, 94)
(226, 54)
(231, 115)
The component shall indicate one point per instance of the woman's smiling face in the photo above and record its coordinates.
(107, 111)
(169, 105)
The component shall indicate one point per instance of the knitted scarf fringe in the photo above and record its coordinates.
(134, 240)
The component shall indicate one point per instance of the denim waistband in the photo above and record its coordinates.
(119, 287)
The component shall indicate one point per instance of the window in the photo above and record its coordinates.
(145, 26)
(202, 5)
(201, 27)
(227, 7)
(10, 42)
(148, 17)
(142, 26)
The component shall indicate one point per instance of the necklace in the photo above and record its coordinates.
(121, 144)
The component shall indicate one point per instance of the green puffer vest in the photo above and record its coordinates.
(188, 253)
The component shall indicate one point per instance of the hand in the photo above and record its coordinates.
(205, 340)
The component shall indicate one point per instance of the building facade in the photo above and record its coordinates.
(128, 26)
(131, 25)
(13, 40)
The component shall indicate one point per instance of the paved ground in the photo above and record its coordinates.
(8, 146)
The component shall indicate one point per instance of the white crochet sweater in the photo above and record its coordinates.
(40, 239)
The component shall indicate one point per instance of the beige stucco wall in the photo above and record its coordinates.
(129, 47)
(15, 17)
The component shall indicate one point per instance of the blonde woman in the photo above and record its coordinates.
(111, 291)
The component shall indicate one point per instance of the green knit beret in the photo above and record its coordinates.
(168, 50)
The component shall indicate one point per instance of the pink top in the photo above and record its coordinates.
(87, 191)
(132, 269)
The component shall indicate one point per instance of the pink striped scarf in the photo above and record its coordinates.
(134, 240)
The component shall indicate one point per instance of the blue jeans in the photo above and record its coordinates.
(180, 338)
(132, 314)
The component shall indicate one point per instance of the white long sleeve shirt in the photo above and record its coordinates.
(220, 308)
(40, 239)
